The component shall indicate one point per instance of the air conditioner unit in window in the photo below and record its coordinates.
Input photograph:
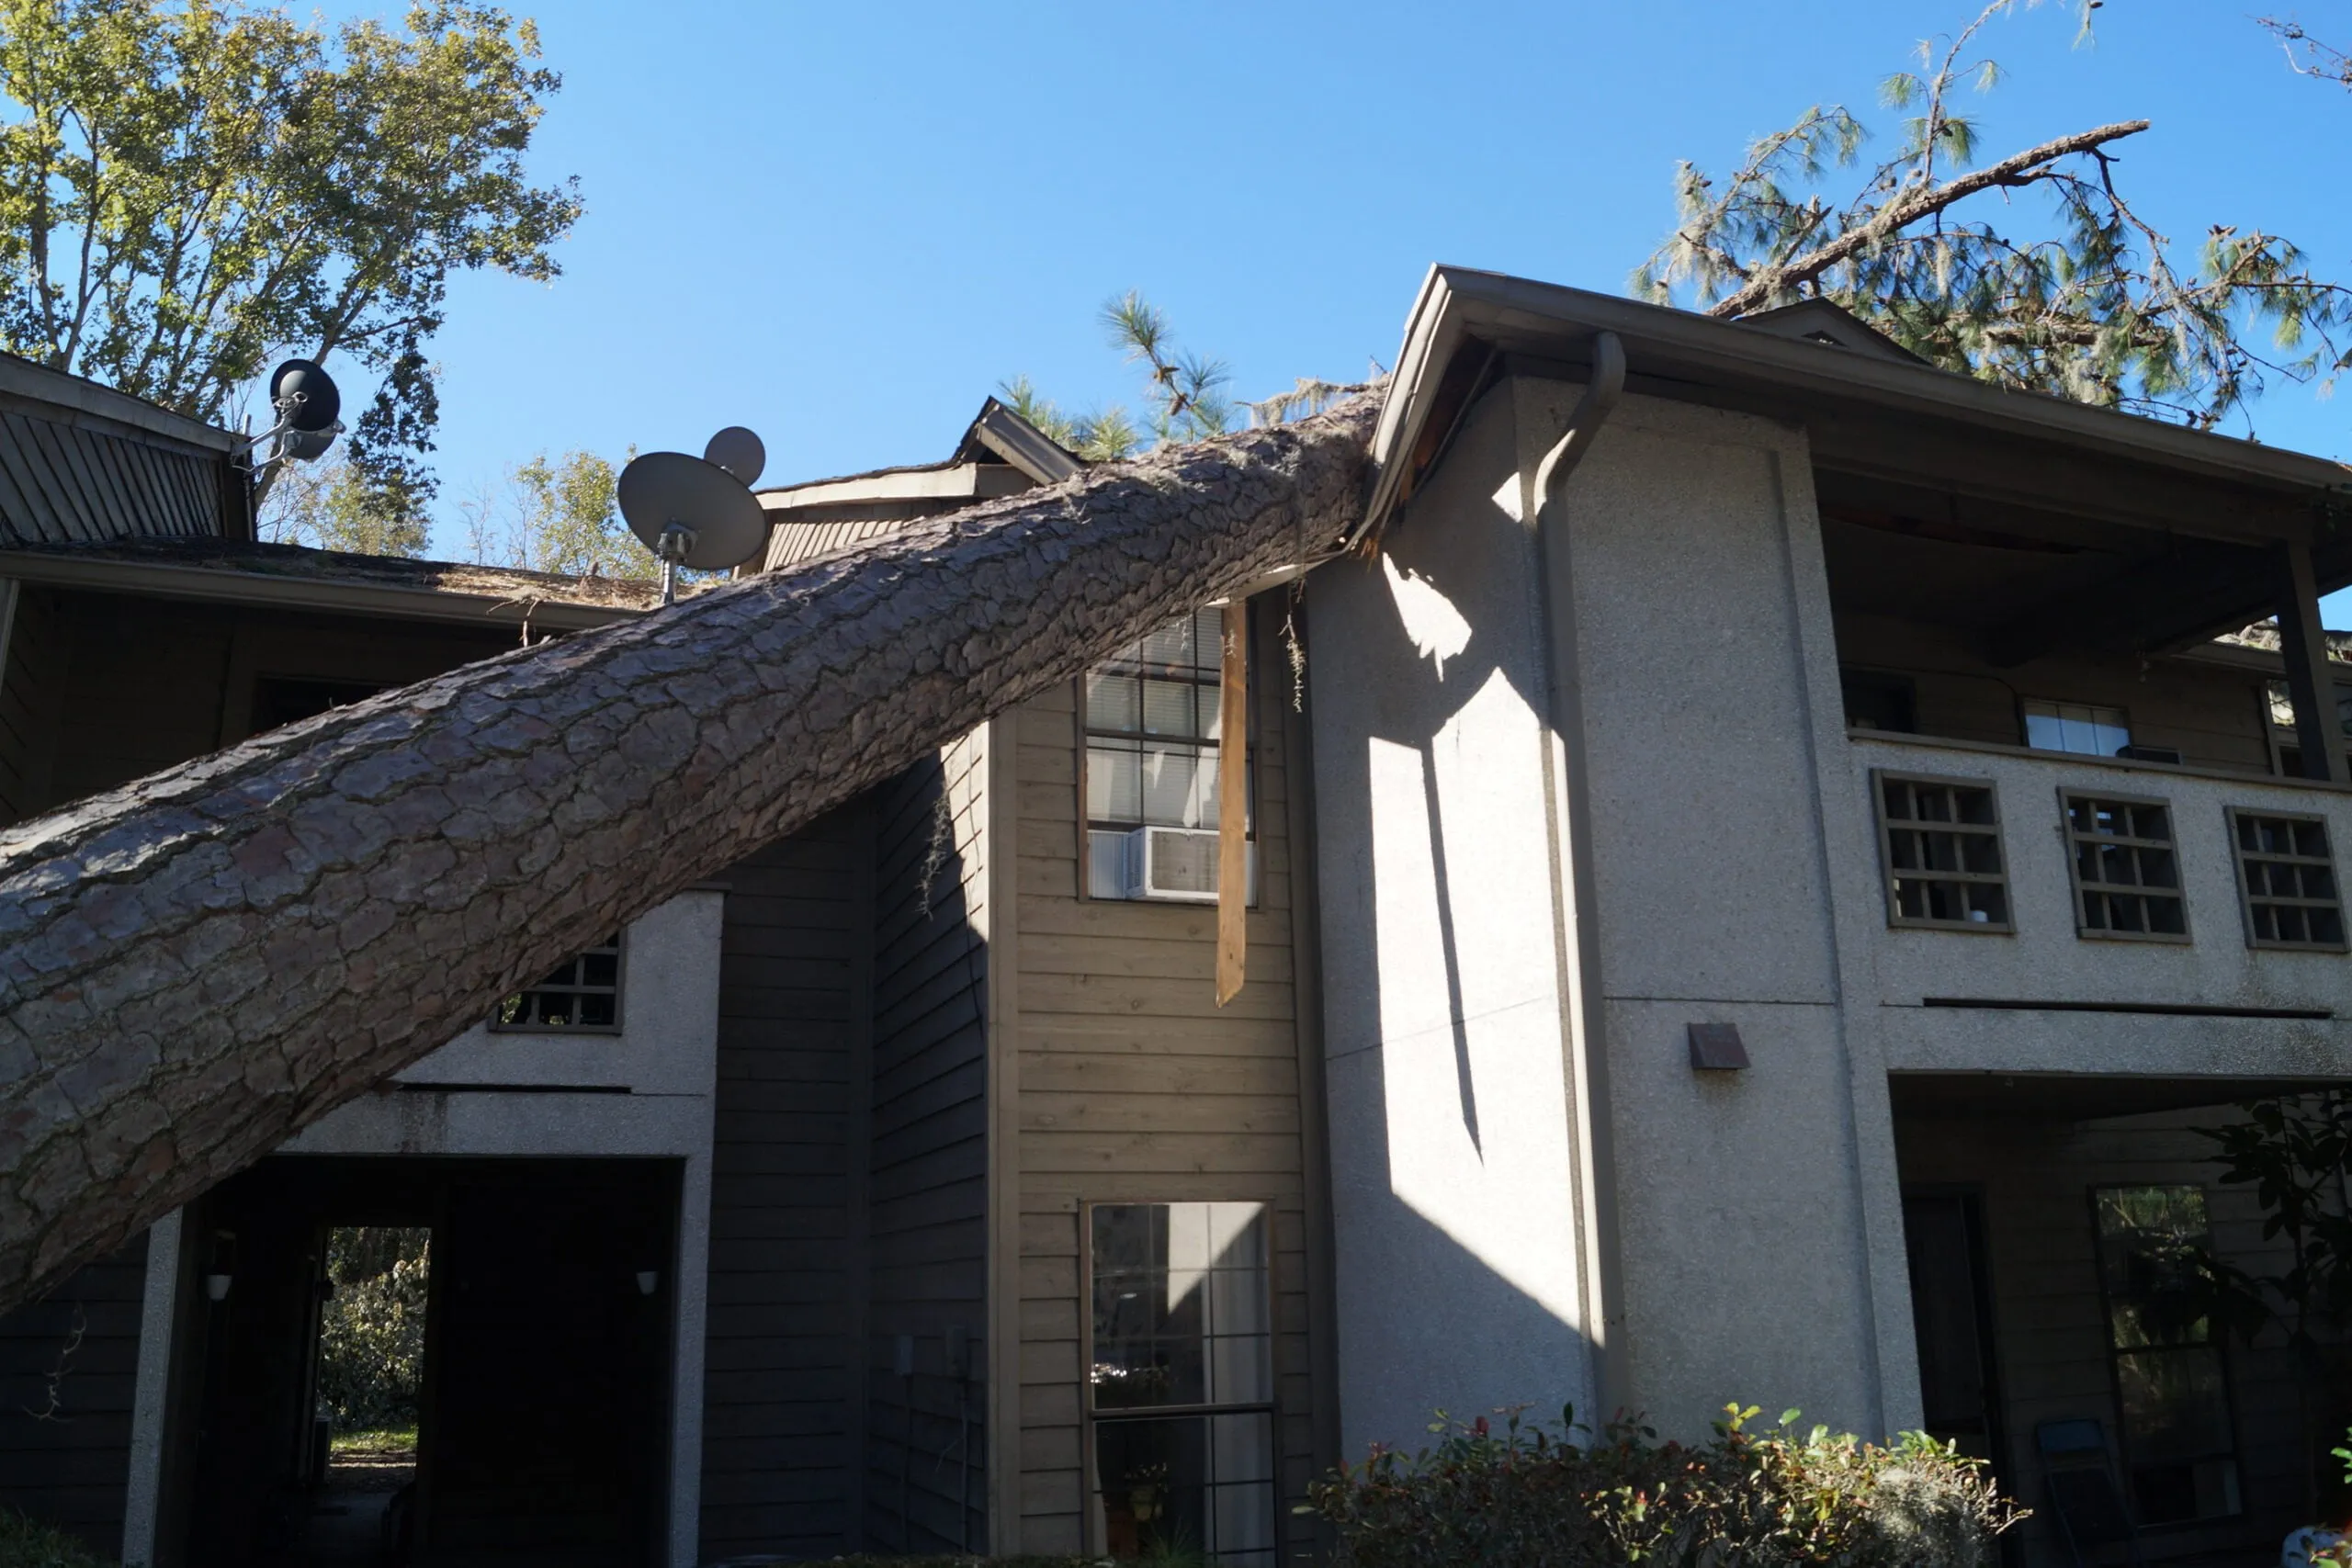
(1177, 864)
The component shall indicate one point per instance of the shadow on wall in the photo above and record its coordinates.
(1453, 1121)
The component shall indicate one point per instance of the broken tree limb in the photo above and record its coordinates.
(197, 966)
(1768, 282)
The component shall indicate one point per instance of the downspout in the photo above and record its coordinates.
(1577, 952)
(1592, 410)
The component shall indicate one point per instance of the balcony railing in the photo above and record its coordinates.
(1999, 873)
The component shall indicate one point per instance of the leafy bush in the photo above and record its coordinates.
(371, 1335)
(1521, 1497)
(25, 1544)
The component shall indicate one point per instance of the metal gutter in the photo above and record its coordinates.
(1456, 304)
(304, 593)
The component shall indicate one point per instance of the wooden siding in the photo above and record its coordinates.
(138, 684)
(2214, 715)
(779, 1437)
(926, 1477)
(61, 482)
(71, 1470)
(1135, 1087)
(2050, 1347)
(806, 533)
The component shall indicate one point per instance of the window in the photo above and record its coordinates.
(1180, 1382)
(2180, 1445)
(2126, 873)
(582, 996)
(1876, 699)
(2079, 727)
(1152, 716)
(1939, 841)
(2285, 881)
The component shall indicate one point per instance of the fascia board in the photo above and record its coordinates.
(1458, 303)
(148, 579)
(40, 385)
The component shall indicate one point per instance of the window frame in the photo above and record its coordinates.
(1082, 734)
(620, 999)
(1088, 1417)
(2231, 816)
(2177, 893)
(1995, 830)
(2216, 1341)
(2025, 725)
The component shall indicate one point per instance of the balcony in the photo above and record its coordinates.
(2063, 901)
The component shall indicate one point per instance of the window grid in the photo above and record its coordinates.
(2287, 881)
(1150, 722)
(1939, 845)
(2125, 867)
(2087, 730)
(581, 996)
(1181, 1438)
(2171, 1382)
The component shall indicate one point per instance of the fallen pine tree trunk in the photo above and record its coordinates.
(197, 966)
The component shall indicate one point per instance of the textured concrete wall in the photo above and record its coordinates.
(2044, 959)
(1454, 1149)
(1691, 615)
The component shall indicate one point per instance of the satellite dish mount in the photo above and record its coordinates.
(697, 513)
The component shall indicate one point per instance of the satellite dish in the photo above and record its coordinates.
(690, 512)
(737, 451)
(305, 395)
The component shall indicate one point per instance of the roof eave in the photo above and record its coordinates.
(1457, 305)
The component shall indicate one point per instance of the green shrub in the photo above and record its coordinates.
(1521, 1496)
(25, 1544)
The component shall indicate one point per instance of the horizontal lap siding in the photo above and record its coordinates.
(1134, 1086)
(72, 1468)
(777, 1418)
(2051, 1347)
(927, 1190)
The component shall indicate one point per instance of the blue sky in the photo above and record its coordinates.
(842, 225)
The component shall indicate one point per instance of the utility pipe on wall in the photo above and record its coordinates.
(1570, 830)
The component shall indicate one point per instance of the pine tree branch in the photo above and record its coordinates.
(2025, 168)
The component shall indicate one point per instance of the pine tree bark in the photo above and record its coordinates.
(198, 964)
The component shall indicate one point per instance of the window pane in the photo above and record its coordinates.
(1169, 709)
(2151, 1241)
(2079, 727)
(1181, 1308)
(1179, 786)
(1187, 1486)
(1114, 782)
(1114, 701)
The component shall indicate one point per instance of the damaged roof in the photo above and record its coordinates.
(299, 577)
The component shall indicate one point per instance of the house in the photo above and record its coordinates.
(1761, 863)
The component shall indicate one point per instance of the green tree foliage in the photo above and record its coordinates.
(190, 188)
(2092, 305)
(558, 514)
(371, 1334)
(337, 506)
(1185, 396)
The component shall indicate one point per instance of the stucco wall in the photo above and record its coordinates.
(1691, 615)
(1454, 1149)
